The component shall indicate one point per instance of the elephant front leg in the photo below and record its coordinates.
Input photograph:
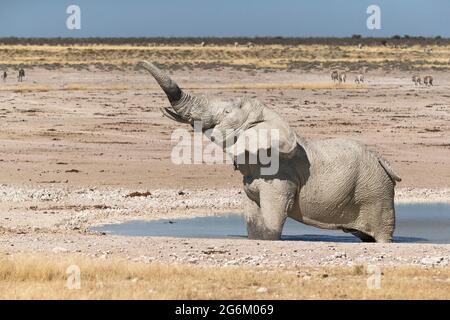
(255, 223)
(266, 220)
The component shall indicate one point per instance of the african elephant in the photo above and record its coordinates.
(331, 183)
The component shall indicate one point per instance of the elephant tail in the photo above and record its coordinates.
(387, 167)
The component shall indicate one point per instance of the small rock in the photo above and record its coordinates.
(192, 260)
(59, 250)
(338, 255)
(262, 290)
(431, 261)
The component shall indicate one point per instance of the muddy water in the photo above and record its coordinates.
(426, 223)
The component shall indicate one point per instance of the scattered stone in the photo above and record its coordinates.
(59, 250)
(432, 260)
(192, 260)
(138, 194)
(339, 255)
(262, 290)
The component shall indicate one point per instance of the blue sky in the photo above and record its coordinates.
(138, 18)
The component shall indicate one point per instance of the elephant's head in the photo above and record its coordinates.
(226, 121)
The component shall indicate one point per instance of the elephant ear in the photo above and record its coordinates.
(271, 131)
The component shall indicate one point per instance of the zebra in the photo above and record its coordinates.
(342, 77)
(21, 75)
(417, 80)
(334, 76)
(428, 80)
(359, 79)
(4, 76)
(250, 44)
(236, 44)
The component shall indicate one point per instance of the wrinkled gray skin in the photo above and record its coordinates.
(331, 184)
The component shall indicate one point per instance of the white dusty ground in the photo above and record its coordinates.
(57, 209)
(60, 220)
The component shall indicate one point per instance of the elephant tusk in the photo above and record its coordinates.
(172, 115)
(254, 123)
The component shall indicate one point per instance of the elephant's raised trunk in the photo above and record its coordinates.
(188, 108)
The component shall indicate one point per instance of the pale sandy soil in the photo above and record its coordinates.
(118, 137)
(75, 145)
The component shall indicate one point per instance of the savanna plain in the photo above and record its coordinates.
(83, 143)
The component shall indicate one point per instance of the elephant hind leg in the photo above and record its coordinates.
(385, 233)
(364, 237)
(377, 222)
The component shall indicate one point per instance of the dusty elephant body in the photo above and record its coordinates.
(332, 184)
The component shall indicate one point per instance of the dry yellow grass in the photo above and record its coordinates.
(263, 56)
(44, 277)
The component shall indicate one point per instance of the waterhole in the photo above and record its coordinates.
(423, 223)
